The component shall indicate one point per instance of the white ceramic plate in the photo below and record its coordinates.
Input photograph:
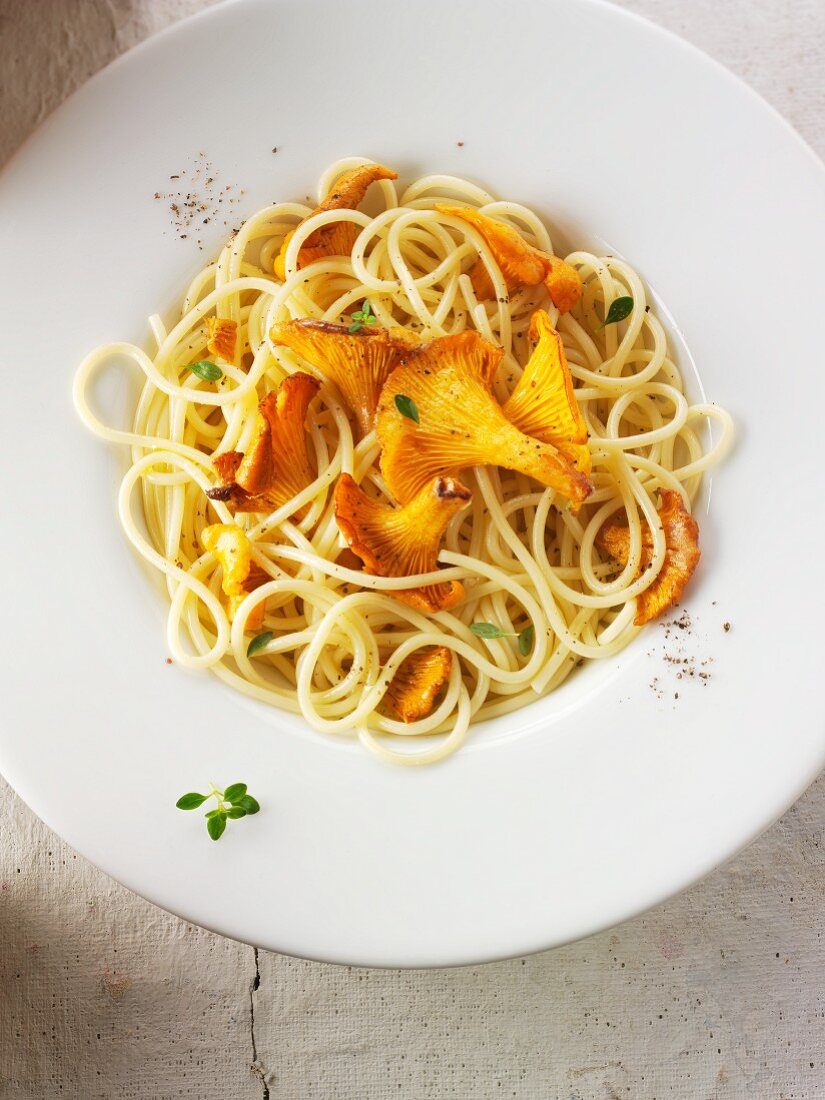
(586, 807)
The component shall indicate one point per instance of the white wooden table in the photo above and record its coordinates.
(718, 994)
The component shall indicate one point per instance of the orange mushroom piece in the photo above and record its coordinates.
(521, 264)
(448, 384)
(400, 542)
(681, 555)
(276, 467)
(240, 574)
(413, 690)
(337, 238)
(222, 338)
(543, 404)
(359, 363)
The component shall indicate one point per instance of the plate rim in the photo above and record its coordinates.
(773, 814)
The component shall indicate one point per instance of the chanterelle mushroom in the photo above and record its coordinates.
(241, 575)
(681, 556)
(401, 542)
(460, 423)
(521, 264)
(543, 404)
(359, 363)
(413, 690)
(276, 467)
(222, 338)
(337, 238)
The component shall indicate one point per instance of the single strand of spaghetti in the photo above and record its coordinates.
(485, 479)
(440, 719)
(610, 594)
(612, 439)
(622, 624)
(185, 579)
(375, 685)
(167, 352)
(114, 435)
(207, 432)
(721, 447)
(157, 328)
(548, 603)
(578, 341)
(367, 580)
(453, 741)
(513, 212)
(501, 294)
(405, 276)
(455, 185)
(565, 650)
(455, 733)
(196, 289)
(266, 222)
(630, 582)
(657, 476)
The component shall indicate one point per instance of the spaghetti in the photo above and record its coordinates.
(330, 637)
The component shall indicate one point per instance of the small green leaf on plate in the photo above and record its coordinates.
(216, 825)
(191, 801)
(525, 640)
(259, 642)
(236, 811)
(487, 630)
(619, 309)
(209, 372)
(407, 407)
(249, 804)
(234, 791)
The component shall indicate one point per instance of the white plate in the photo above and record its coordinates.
(584, 808)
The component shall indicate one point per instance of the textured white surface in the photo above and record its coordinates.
(716, 994)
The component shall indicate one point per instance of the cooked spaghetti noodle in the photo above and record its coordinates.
(334, 635)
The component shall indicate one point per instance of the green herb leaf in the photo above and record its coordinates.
(407, 407)
(525, 640)
(619, 309)
(356, 327)
(209, 372)
(487, 630)
(191, 801)
(259, 642)
(232, 804)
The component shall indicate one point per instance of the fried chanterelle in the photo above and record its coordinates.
(276, 466)
(413, 690)
(358, 363)
(519, 262)
(460, 423)
(543, 404)
(401, 542)
(240, 574)
(681, 555)
(337, 238)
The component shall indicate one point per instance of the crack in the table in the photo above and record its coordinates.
(257, 1067)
